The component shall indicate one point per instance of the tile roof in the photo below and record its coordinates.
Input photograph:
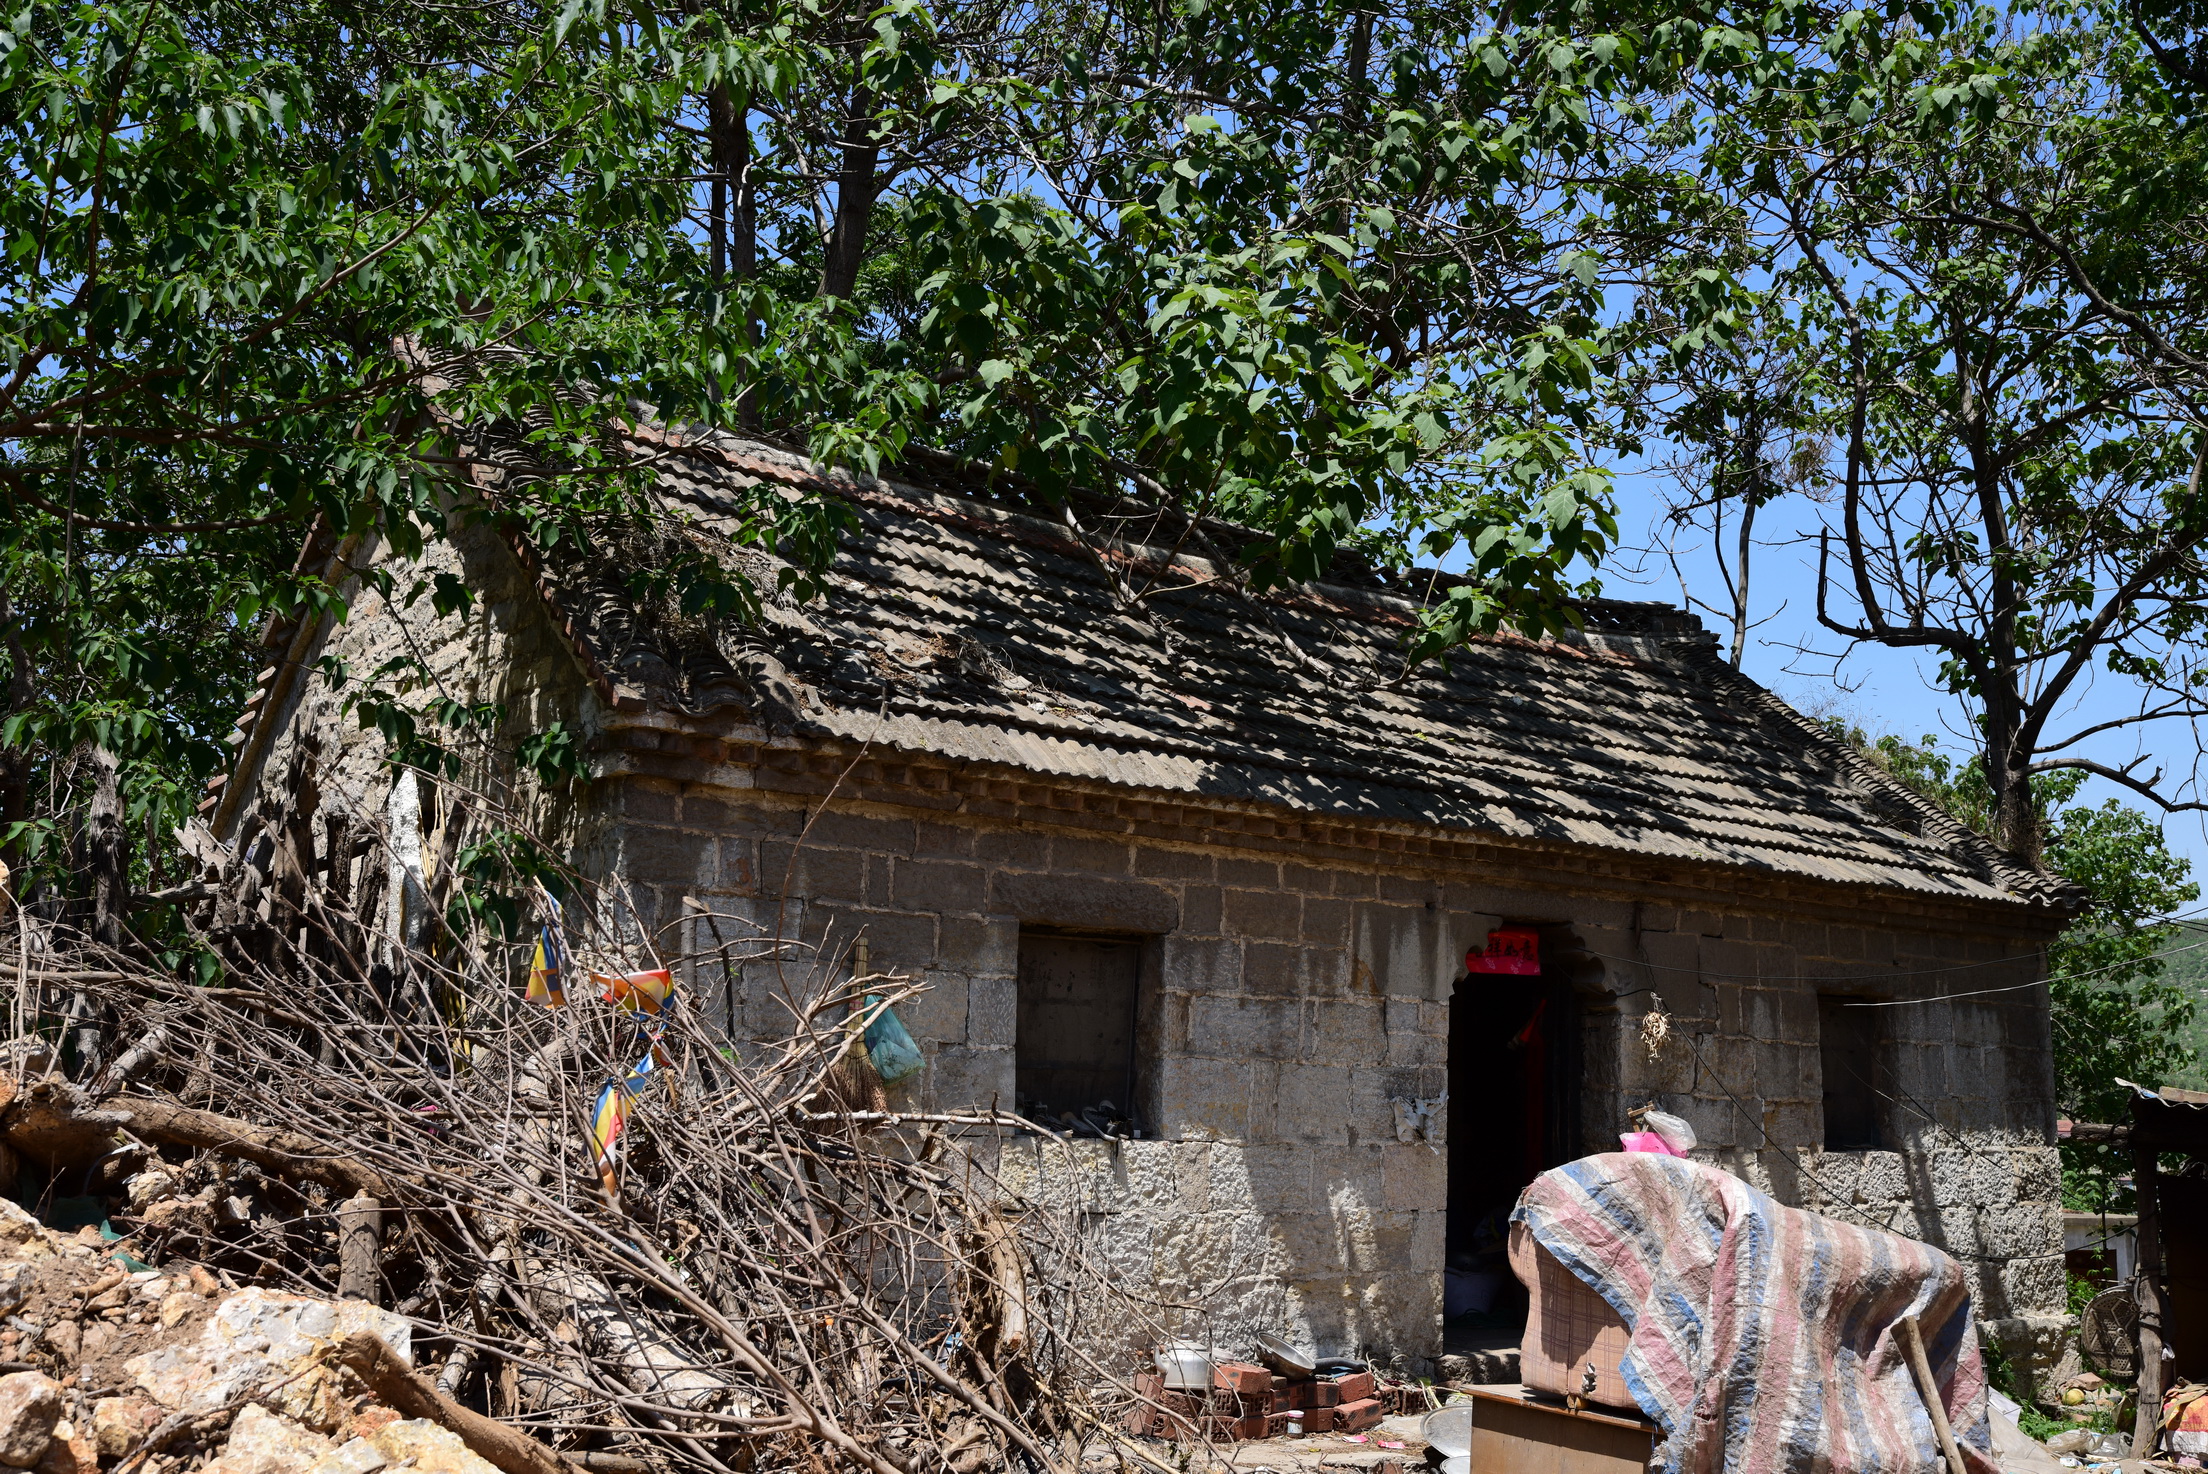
(964, 628)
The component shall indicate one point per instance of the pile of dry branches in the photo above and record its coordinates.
(335, 1085)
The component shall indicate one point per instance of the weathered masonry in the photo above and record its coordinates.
(1212, 859)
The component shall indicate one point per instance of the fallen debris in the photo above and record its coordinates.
(372, 1174)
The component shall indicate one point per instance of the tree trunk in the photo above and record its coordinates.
(856, 187)
(15, 764)
(107, 851)
(735, 222)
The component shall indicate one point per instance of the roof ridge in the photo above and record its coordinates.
(1612, 616)
(2033, 881)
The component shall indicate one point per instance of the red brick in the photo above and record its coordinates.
(1355, 1387)
(1318, 1420)
(1355, 1417)
(1241, 1378)
(1276, 1424)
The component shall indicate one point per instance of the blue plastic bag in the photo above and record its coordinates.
(889, 1044)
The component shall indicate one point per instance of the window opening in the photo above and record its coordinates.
(1076, 1040)
(1850, 1043)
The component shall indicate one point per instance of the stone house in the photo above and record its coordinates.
(1217, 860)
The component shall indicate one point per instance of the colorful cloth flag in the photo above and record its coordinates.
(549, 960)
(638, 992)
(611, 1117)
(544, 971)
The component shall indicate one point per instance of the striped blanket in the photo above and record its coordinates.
(1764, 1338)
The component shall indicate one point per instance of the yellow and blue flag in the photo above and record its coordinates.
(611, 1116)
(544, 971)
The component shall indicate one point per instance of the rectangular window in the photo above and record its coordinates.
(1076, 1041)
(1852, 1044)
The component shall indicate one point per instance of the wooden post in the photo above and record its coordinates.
(1912, 1344)
(360, 1249)
(2145, 1175)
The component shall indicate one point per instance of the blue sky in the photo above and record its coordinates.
(1880, 690)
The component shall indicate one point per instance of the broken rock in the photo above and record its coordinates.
(254, 1338)
(30, 1406)
(357, 1457)
(119, 1422)
(69, 1452)
(263, 1443)
(429, 1448)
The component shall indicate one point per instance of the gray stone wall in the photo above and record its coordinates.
(1292, 1002)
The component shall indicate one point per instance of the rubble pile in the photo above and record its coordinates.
(371, 1110)
(176, 1368)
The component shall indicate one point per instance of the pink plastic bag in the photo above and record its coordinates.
(1648, 1141)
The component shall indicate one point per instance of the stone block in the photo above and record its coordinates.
(993, 1011)
(739, 865)
(1243, 1027)
(1153, 863)
(647, 801)
(2033, 1286)
(990, 945)
(1414, 1176)
(1417, 890)
(1249, 874)
(1201, 913)
(1313, 1104)
(1162, 1177)
(932, 841)
(896, 941)
(1410, 951)
(1409, 1042)
(1021, 849)
(965, 1077)
(1261, 1177)
(1200, 964)
(674, 857)
(815, 874)
(1347, 1031)
(1271, 915)
(1276, 969)
(938, 1015)
(1203, 1099)
(1881, 1178)
(1992, 1180)
(838, 828)
(1838, 1174)
(936, 885)
(1088, 855)
(1326, 922)
(2038, 1174)
(1206, 1249)
(1084, 900)
(702, 809)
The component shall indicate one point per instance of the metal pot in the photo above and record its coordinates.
(1185, 1368)
(1285, 1359)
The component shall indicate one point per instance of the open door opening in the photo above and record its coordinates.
(1514, 1074)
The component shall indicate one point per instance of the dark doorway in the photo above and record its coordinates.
(1514, 1073)
(1076, 1040)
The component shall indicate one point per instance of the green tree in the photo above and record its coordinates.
(2115, 1013)
(1985, 236)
